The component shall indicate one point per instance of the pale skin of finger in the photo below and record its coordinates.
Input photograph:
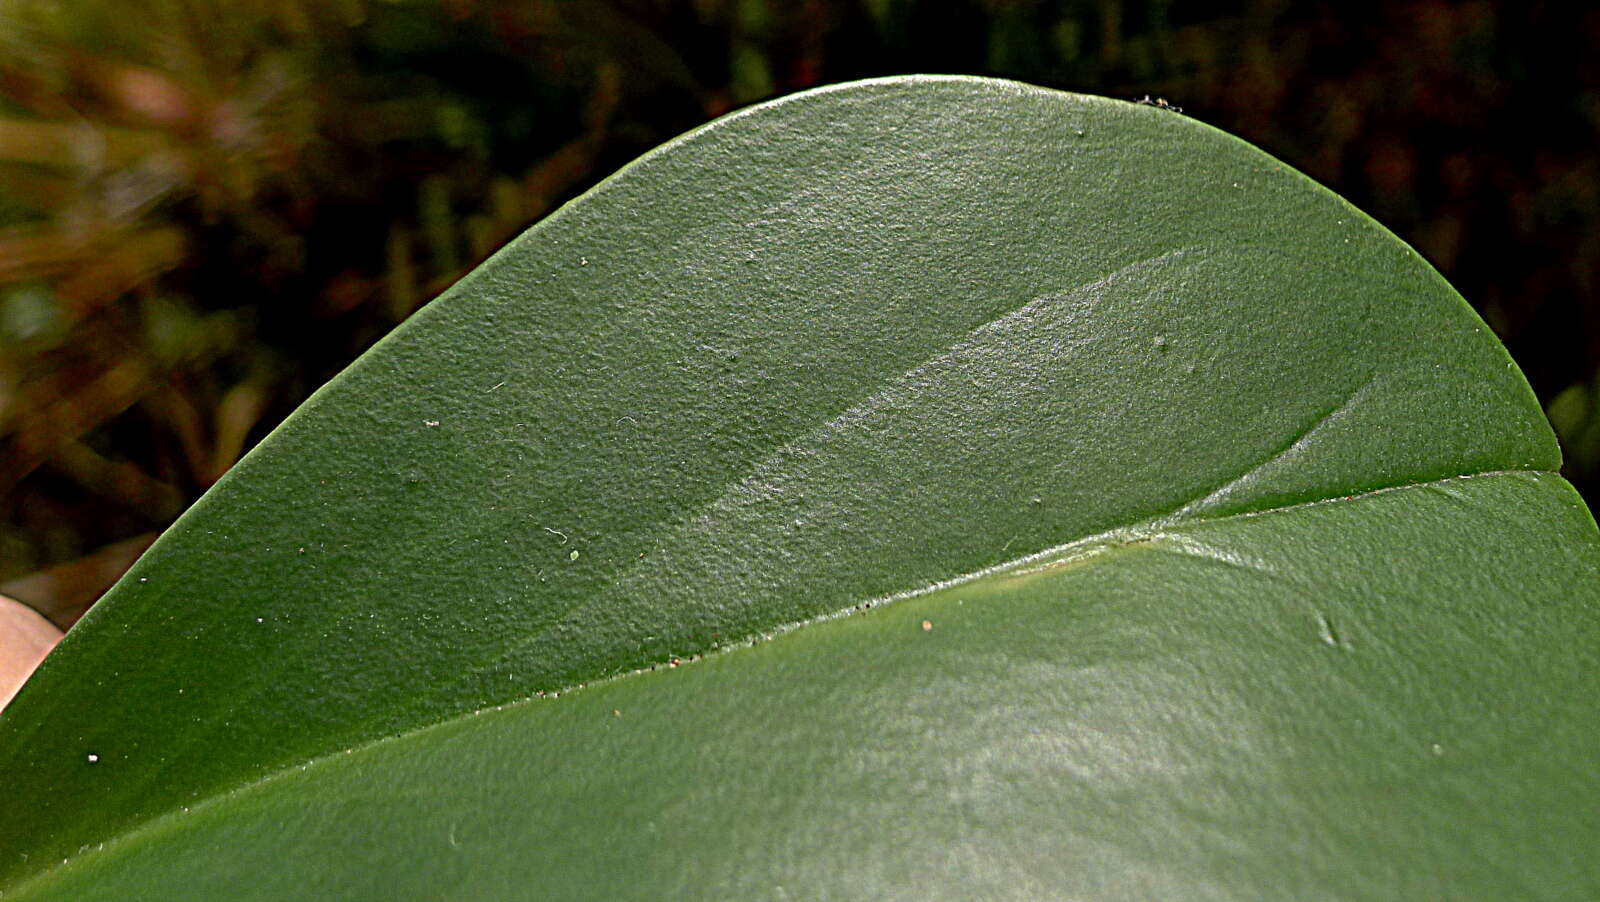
(25, 639)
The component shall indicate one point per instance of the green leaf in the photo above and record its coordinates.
(926, 487)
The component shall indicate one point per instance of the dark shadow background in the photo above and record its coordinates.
(209, 207)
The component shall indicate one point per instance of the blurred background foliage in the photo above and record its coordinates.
(209, 207)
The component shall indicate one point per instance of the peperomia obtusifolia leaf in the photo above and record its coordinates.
(916, 488)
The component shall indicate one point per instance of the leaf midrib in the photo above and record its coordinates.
(1149, 529)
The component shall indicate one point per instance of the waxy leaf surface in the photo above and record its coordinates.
(920, 488)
